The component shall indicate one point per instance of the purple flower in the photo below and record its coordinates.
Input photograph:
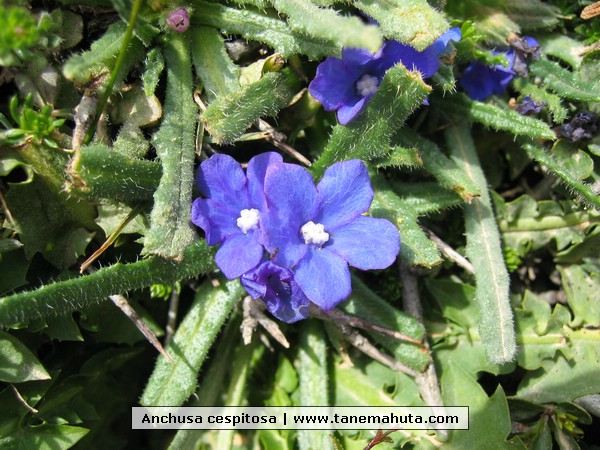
(481, 81)
(347, 84)
(179, 20)
(529, 107)
(276, 286)
(581, 126)
(316, 232)
(231, 212)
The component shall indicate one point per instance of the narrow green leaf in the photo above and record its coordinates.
(581, 188)
(368, 136)
(439, 165)
(416, 248)
(502, 119)
(541, 95)
(533, 14)
(565, 83)
(425, 197)
(367, 305)
(171, 230)
(219, 75)
(401, 157)
(412, 22)
(143, 29)
(153, 67)
(66, 296)
(104, 173)
(485, 253)
(314, 381)
(252, 24)
(93, 67)
(17, 362)
(171, 385)
(326, 24)
(228, 117)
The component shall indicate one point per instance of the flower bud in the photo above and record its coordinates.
(179, 20)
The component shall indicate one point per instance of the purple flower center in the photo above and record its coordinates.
(248, 220)
(367, 85)
(314, 233)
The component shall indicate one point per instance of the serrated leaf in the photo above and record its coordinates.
(485, 253)
(489, 418)
(17, 362)
(565, 83)
(254, 25)
(171, 385)
(412, 22)
(368, 136)
(228, 117)
(582, 288)
(547, 384)
(502, 119)
(328, 25)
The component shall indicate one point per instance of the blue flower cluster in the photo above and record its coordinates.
(345, 85)
(291, 242)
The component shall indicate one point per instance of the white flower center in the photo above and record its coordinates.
(248, 220)
(367, 85)
(314, 233)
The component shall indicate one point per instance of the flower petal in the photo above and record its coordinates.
(217, 220)
(427, 62)
(221, 178)
(344, 193)
(292, 201)
(366, 243)
(333, 84)
(324, 277)
(440, 44)
(276, 286)
(346, 113)
(354, 57)
(256, 171)
(238, 254)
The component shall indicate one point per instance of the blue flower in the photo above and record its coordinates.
(480, 80)
(347, 84)
(231, 212)
(277, 287)
(316, 232)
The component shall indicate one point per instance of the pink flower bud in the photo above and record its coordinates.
(179, 20)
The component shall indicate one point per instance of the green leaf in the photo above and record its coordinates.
(93, 67)
(485, 253)
(171, 385)
(412, 22)
(528, 225)
(314, 380)
(153, 67)
(425, 197)
(565, 379)
(104, 173)
(13, 267)
(563, 47)
(582, 288)
(557, 167)
(416, 249)
(489, 419)
(326, 24)
(143, 29)
(66, 296)
(171, 230)
(228, 117)
(565, 83)
(577, 163)
(541, 95)
(400, 157)
(368, 136)
(17, 362)
(367, 305)
(255, 25)
(440, 166)
(502, 119)
(219, 75)
(44, 437)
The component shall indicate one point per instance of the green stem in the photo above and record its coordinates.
(137, 4)
(549, 223)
